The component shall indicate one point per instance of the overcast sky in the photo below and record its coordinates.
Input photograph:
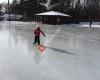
(5, 1)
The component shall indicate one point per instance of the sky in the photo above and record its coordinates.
(5, 1)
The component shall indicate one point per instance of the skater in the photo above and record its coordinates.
(91, 23)
(37, 32)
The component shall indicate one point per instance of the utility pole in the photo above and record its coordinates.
(9, 10)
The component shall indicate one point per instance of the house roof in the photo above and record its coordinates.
(53, 13)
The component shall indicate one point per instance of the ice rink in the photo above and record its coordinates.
(72, 52)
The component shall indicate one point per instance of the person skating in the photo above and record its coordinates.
(37, 33)
(91, 23)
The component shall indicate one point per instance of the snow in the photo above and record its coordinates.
(53, 13)
(94, 24)
(72, 52)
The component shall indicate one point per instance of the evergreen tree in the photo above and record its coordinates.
(29, 7)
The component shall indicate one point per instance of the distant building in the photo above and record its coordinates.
(13, 17)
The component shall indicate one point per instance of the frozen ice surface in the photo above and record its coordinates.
(72, 52)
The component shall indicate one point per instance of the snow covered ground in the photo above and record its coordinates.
(94, 24)
(72, 52)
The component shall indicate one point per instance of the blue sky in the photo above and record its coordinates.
(2, 1)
